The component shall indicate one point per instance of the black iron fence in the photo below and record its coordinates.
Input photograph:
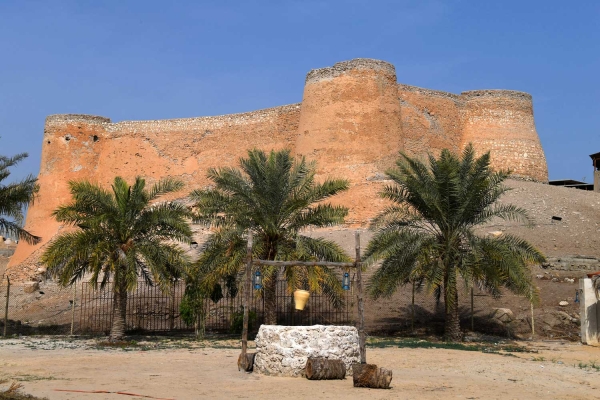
(149, 309)
(48, 309)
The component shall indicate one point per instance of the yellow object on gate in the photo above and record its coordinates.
(300, 298)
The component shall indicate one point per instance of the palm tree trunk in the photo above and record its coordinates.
(117, 330)
(270, 293)
(452, 331)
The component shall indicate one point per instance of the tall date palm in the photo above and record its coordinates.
(429, 232)
(276, 197)
(120, 235)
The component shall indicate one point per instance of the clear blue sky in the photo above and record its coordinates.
(166, 59)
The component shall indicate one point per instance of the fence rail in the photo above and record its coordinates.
(50, 309)
(151, 310)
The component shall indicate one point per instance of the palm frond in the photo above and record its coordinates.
(119, 235)
(15, 197)
(427, 233)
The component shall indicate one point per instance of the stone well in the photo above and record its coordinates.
(283, 350)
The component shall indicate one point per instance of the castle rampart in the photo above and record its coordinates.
(350, 123)
(353, 120)
(501, 121)
(431, 120)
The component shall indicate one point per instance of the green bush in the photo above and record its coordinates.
(237, 320)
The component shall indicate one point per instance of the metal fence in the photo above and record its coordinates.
(420, 312)
(149, 309)
(49, 309)
(29, 309)
(83, 309)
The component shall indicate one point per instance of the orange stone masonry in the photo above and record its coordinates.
(501, 122)
(353, 120)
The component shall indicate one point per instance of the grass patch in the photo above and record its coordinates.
(409, 343)
(163, 343)
(31, 378)
(117, 345)
(592, 365)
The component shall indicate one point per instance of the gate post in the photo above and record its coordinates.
(361, 305)
(6, 307)
(589, 312)
(243, 362)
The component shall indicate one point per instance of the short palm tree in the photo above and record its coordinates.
(429, 232)
(276, 197)
(14, 199)
(119, 236)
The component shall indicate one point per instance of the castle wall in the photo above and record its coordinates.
(353, 120)
(80, 147)
(350, 124)
(431, 120)
(501, 121)
(71, 150)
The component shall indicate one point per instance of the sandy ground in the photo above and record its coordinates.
(45, 365)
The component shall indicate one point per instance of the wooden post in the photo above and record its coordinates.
(412, 310)
(6, 307)
(73, 307)
(532, 320)
(472, 308)
(243, 362)
(361, 305)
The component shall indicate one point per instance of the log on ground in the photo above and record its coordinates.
(324, 368)
(246, 364)
(370, 376)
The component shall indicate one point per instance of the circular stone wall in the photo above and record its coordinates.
(283, 350)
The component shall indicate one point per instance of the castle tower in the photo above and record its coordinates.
(71, 148)
(350, 123)
(501, 121)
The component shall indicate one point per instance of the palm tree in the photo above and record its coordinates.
(119, 236)
(276, 197)
(429, 232)
(14, 199)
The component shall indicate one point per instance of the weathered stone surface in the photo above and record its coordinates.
(573, 263)
(284, 350)
(504, 315)
(30, 287)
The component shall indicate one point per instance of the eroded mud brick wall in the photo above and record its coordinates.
(431, 120)
(501, 121)
(353, 120)
(80, 147)
(350, 124)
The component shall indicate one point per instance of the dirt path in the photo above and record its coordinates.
(191, 373)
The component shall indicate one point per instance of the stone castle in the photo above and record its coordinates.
(353, 120)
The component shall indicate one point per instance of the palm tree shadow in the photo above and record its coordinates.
(430, 321)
